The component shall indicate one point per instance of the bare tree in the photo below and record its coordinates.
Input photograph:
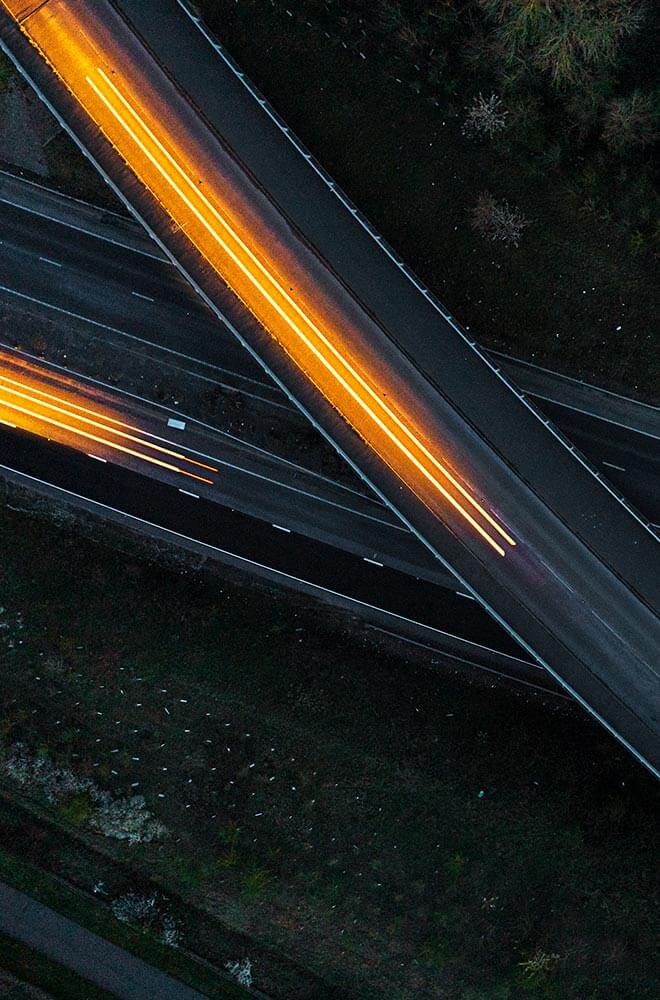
(485, 117)
(497, 220)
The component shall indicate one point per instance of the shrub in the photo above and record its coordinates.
(497, 220)
(145, 913)
(241, 971)
(485, 117)
(630, 122)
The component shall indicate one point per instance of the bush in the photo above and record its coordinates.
(497, 220)
(563, 40)
(630, 122)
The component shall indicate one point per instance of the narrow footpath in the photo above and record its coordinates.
(92, 957)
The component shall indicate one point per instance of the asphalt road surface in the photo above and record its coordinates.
(119, 282)
(551, 552)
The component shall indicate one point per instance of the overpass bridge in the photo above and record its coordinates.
(378, 366)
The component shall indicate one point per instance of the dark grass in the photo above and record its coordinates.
(558, 298)
(376, 862)
(71, 172)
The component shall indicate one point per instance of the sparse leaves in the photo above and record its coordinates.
(498, 220)
(539, 964)
(144, 912)
(80, 798)
(241, 971)
(485, 117)
(127, 819)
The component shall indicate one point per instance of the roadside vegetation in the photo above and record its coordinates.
(343, 832)
(508, 150)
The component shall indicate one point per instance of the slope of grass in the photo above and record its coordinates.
(395, 831)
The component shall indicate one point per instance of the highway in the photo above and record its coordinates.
(117, 281)
(99, 279)
(463, 459)
(128, 459)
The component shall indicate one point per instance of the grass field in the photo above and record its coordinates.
(396, 831)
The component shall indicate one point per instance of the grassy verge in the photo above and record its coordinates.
(31, 967)
(71, 172)
(393, 830)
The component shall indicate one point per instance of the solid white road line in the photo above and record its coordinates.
(334, 593)
(42, 214)
(374, 562)
(280, 528)
(590, 413)
(260, 476)
(243, 559)
(159, 347)
(478, 666)
(97, 458)
(570, 378)
(188, 493)
(240, 443)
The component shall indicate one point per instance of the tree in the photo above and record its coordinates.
(564, 40)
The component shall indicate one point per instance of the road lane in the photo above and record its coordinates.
(100, 280)
(255, 542)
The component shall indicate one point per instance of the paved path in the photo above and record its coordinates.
(95, 959)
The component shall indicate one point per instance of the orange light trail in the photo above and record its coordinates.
(73, 44)
(263, 290)
(66, 407)
(25, 405)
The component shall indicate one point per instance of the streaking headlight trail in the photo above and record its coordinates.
(215, 218)
(28, 402)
